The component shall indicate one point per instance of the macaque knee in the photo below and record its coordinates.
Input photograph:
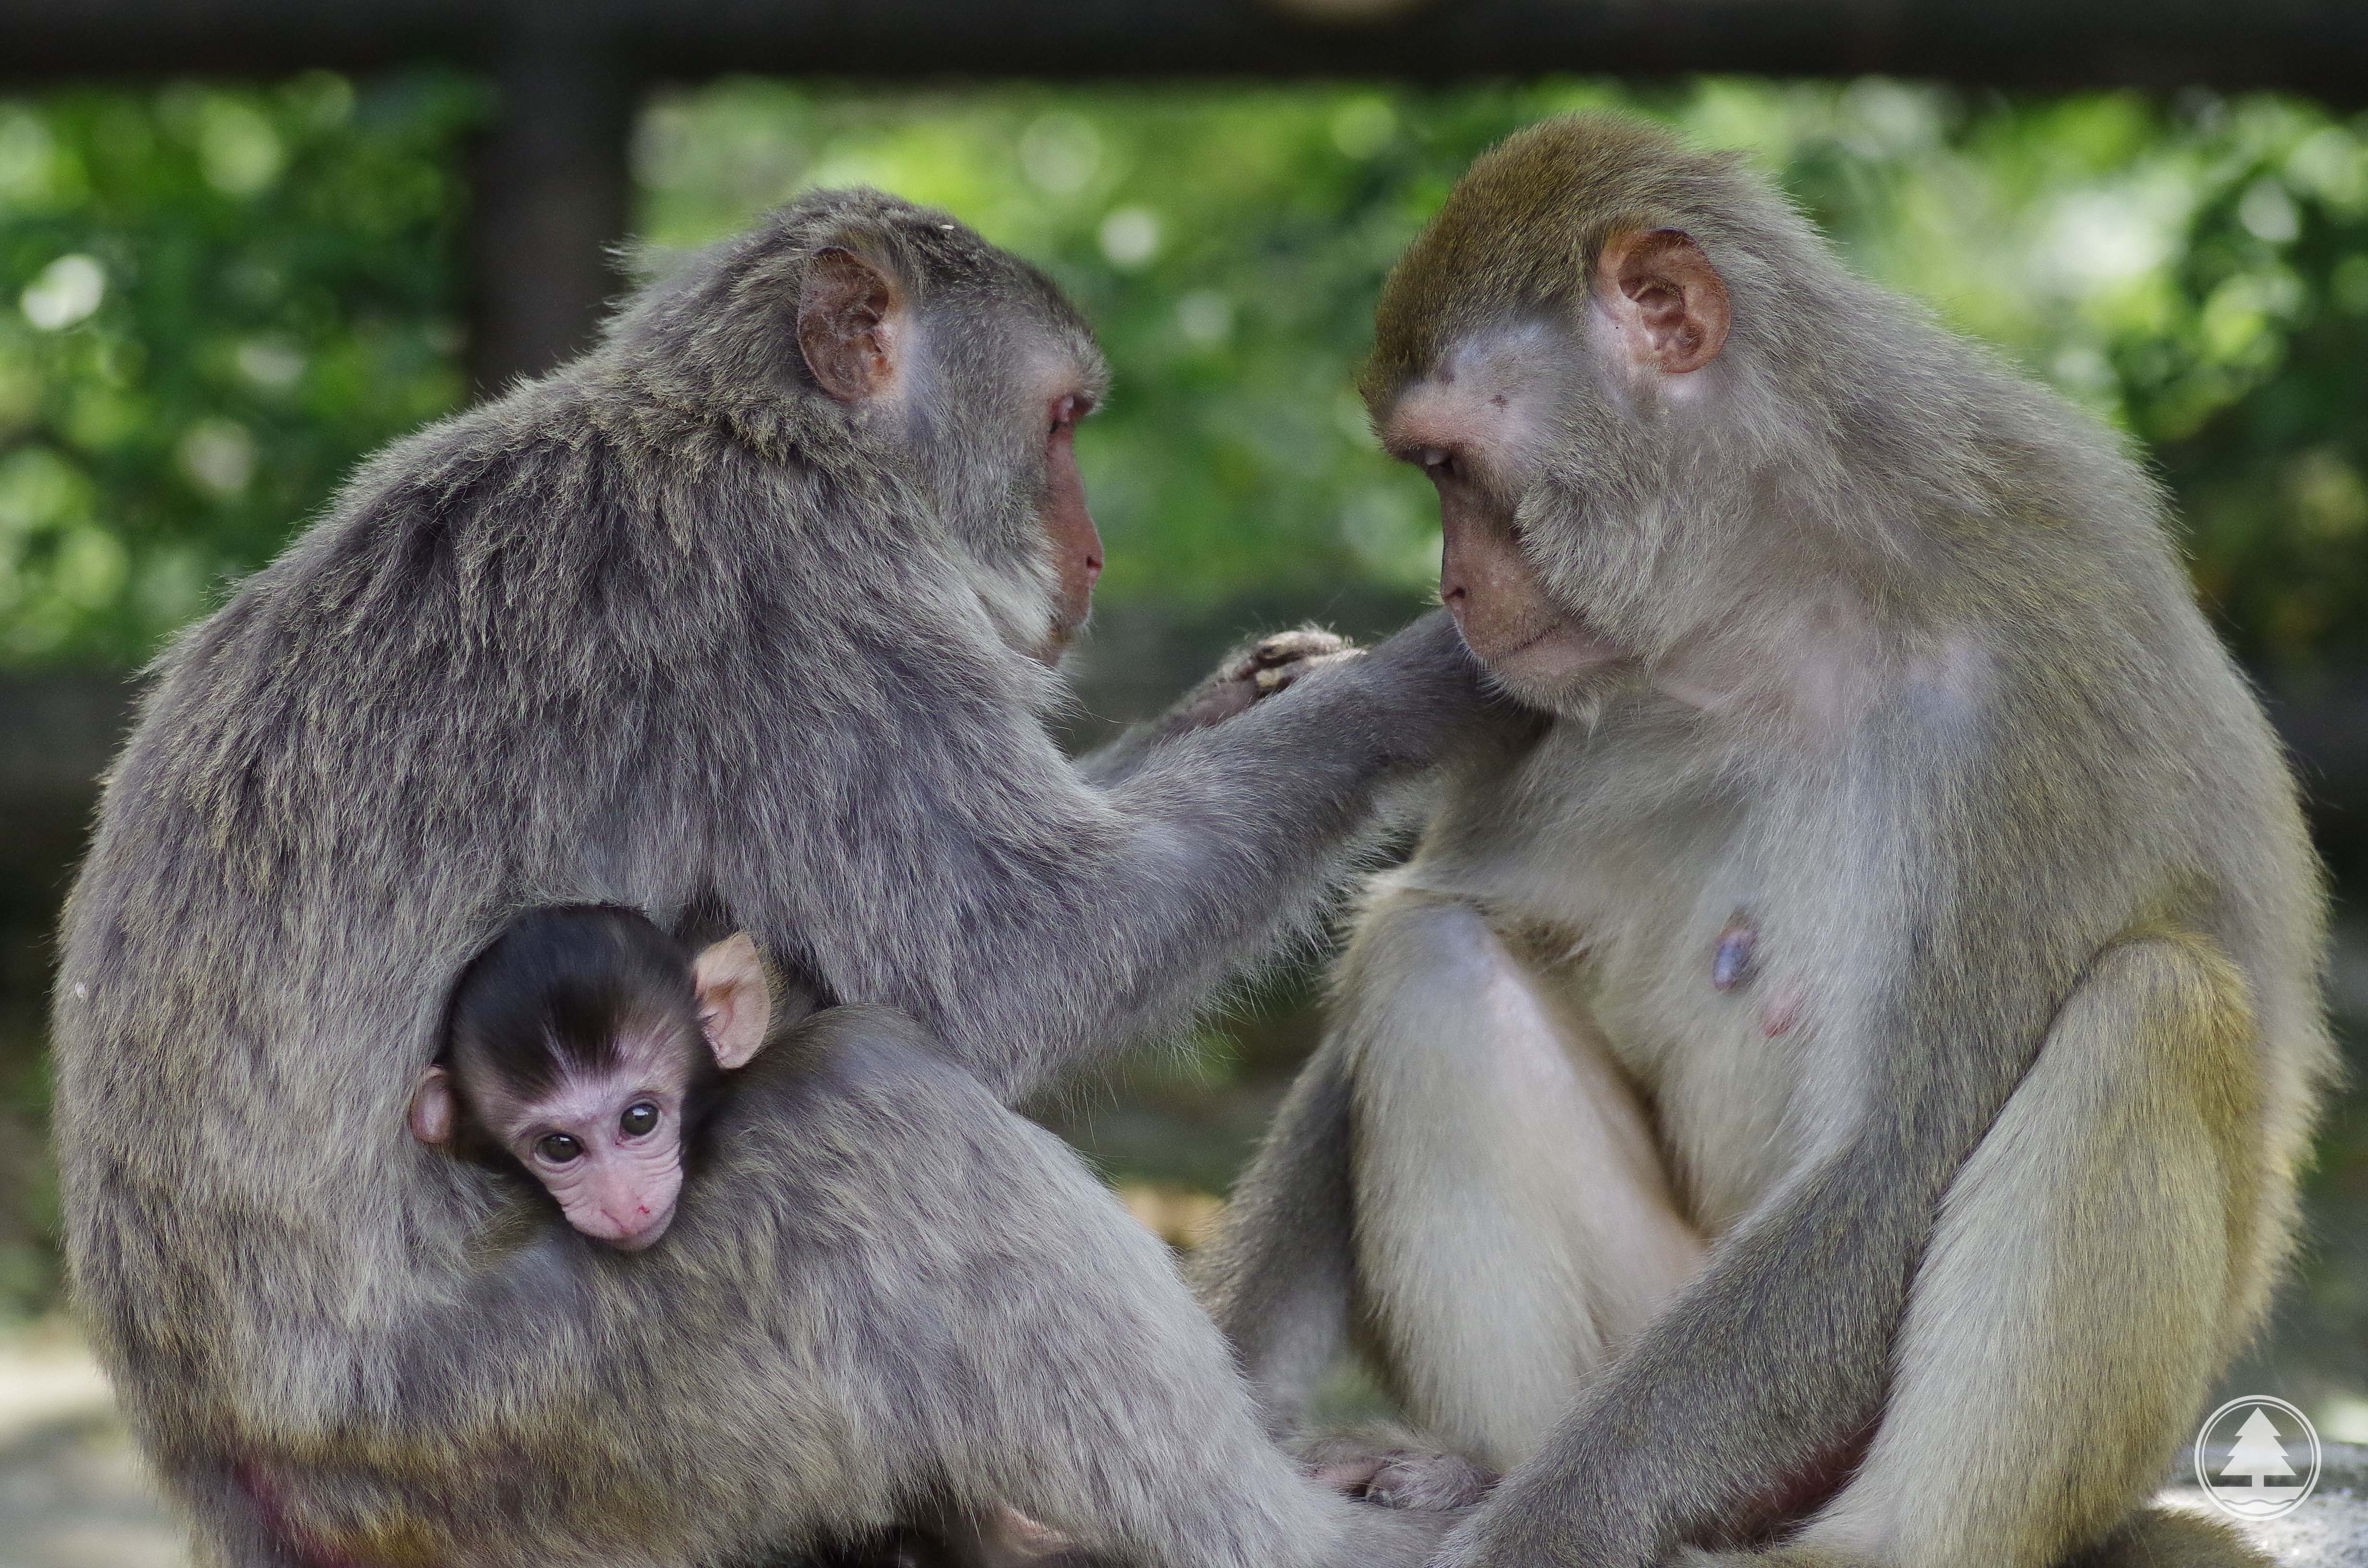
(1412, 947)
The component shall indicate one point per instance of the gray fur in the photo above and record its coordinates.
(671, 629)
(1914, 684)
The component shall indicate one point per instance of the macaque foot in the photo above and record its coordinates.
(1393, 1475)
(1003, 1537)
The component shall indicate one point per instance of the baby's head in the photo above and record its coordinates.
(585, 1046)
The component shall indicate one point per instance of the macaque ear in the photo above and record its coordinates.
(1665, 297)
(850, 318)
(433, 1110)
(735, 1006)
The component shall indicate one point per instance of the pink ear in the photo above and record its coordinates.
(433, 1110)
(851, 314)
(735, 1006)
(1665, 297)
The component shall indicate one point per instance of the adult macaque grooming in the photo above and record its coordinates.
(1840, 1091)
(748, 614)
(585, 1050)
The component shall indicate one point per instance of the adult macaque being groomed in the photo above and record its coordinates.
(586, 1049)
(746, 620)
(1838, 1094)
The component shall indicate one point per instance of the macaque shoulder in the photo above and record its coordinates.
(861, 1055)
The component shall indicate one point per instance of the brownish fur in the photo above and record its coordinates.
(1868, 654)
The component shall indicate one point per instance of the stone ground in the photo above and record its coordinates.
(2331, 1528)
(73, 1494)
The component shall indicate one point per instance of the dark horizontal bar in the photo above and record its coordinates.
(2312, 46)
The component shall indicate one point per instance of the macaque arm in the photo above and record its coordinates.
(1278, 1281)
(1116, 761)
(1031, 921)
(1256, 669)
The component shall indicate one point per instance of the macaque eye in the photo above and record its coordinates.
(1436, 461)
(1066, 412)
(558, 1147)
(638, 1119)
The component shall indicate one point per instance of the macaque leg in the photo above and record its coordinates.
(981, 1314)
(1515, 1221)
(1280, 1279)
(2077, 1297)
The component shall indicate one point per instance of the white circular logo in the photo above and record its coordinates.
(2257, 1458)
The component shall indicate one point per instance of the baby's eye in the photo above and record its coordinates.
(558, 1147)
(639, 1120)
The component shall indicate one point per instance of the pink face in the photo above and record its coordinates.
(1068, 523)
(609, 1148)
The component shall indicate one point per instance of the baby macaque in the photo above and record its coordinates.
(586, 1047)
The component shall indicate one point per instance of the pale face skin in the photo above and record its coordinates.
(608, 1146)
(1474, 420)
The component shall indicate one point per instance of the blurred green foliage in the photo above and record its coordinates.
(213, 300)
(2195, 270)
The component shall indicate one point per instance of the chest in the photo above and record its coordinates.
(1668, 902)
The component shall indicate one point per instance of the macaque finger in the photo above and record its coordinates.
(1300, 644)
(1274, 678)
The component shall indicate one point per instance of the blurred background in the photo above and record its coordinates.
(226, 273)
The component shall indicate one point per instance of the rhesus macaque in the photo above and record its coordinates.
(745, 620)
(585, 1050)
(1839, 1093)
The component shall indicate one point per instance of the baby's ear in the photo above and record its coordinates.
(735, 1006)
(433, 1110)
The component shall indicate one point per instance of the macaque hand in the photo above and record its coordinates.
(1273, 662)
(1258, 670)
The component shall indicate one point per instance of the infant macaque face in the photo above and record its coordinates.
(585, 1048)
(608, 1145)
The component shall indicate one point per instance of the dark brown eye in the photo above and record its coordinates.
(558, 1147)
(638, 1119)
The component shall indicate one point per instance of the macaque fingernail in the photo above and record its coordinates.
(1732, 964)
